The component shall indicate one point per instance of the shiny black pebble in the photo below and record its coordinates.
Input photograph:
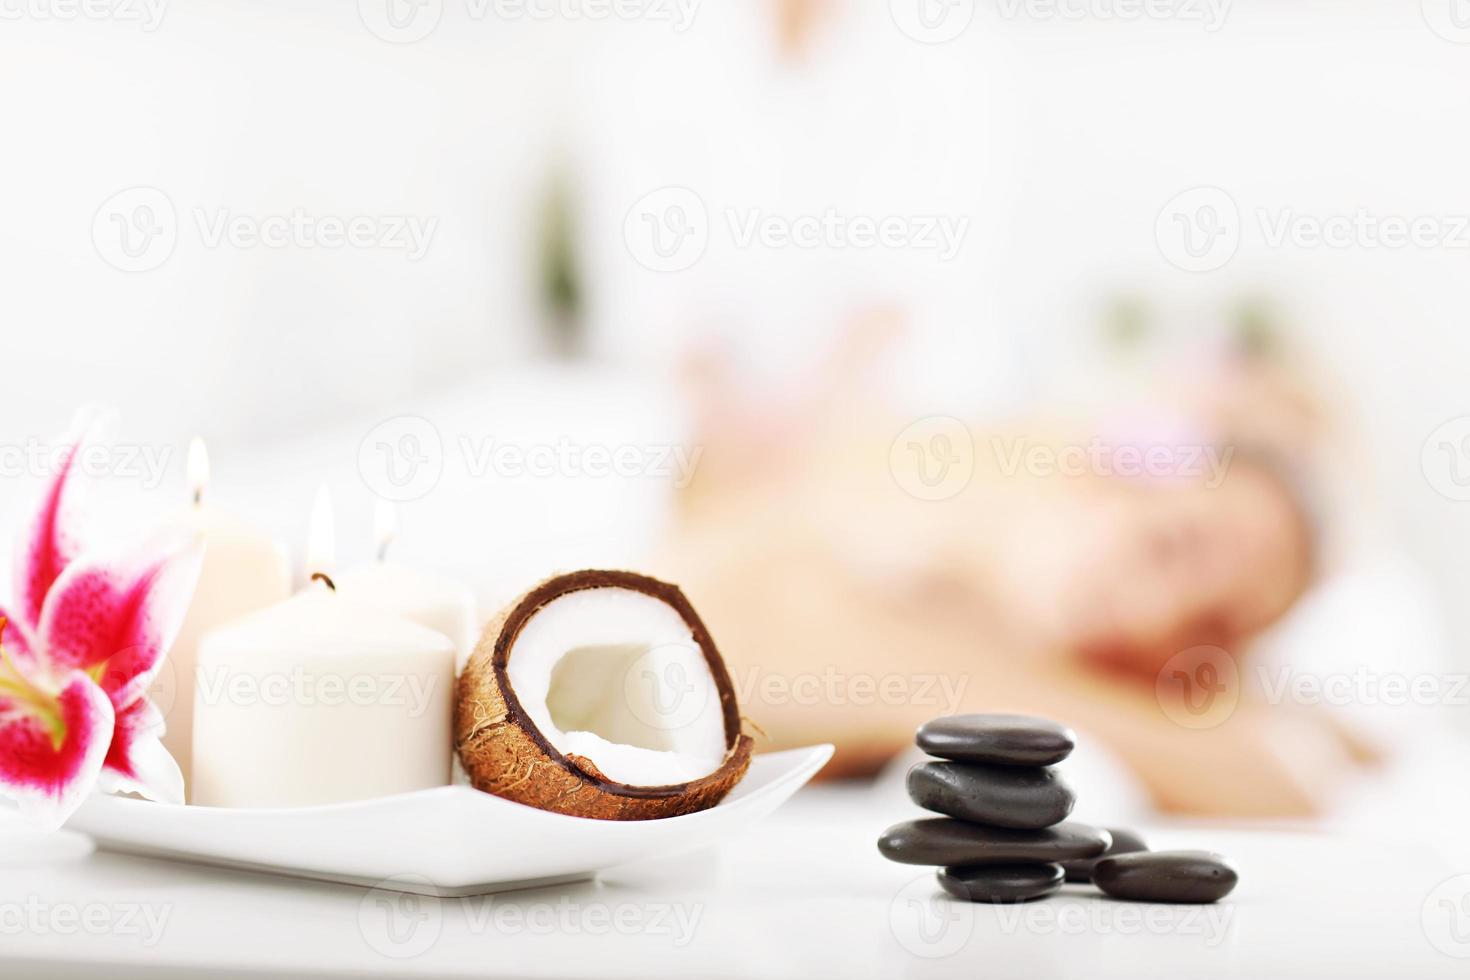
(1003, 740)
(1022, 797)
(1002, 882)
(1195, 877)
(1124, 842)
(944, 842)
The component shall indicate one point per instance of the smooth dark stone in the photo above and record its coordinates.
(1023, 797)
(1165, 876)
(1002, 740)
(943, 841)
(1124, 842)
(1002, 882)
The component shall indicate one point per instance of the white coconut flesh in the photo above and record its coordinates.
(615, 676)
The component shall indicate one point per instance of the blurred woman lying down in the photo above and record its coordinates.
(860, 584)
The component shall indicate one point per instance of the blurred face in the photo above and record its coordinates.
(1163, 569)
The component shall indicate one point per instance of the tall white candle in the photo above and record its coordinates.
(320, 699)
(425, 598)
(243, 571)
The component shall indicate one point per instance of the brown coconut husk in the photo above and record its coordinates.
(505, 754)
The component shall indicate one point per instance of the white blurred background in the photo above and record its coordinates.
(526, 140)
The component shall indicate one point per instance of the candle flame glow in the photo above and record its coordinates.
(321, 535)
(197, 468)
(385, 526)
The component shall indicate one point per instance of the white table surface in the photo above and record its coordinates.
(804, 894)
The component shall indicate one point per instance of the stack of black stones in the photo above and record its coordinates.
(1005, 837)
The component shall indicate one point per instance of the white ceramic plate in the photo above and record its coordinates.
(450, 840)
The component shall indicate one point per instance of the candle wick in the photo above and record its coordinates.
(324, 577)
(383, 551)
(198, 496)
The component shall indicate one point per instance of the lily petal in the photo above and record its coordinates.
(117, 618)
(49, 541)
(137, 762)
(52, 747)
(18, 643)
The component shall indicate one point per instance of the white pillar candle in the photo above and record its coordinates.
(320, 699)
(425, 598)
(243, 571)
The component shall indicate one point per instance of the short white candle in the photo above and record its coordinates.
(320, 699)
(425, 598)
(243, 571)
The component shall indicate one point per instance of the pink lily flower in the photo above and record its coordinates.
(78, 649)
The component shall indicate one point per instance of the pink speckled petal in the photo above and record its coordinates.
(51, 745)
(49, 541)
(116, 618)
(137, 762)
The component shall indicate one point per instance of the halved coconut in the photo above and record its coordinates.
(600, 694)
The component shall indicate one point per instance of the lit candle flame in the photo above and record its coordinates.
(197, 468)
(385, 526)
(321, 535)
